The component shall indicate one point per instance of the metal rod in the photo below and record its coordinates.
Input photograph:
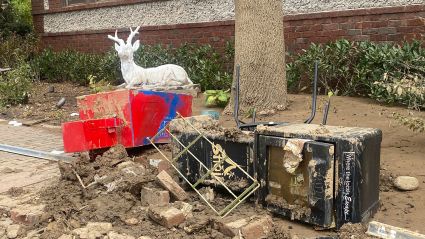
(236, 107)
(34, 153)
(325, 112)
(314, 99)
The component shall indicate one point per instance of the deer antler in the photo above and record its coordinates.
(132, 34)
(116, 39)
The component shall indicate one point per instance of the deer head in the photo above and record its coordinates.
(125, 50)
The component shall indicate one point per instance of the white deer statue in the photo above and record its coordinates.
(165, 75)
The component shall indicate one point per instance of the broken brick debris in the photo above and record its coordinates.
(259, 228)
(27, 214)
(166, 216)
(249, 228)
(165, 180)
(152, 196)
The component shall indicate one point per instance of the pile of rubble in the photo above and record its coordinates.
(115, 196)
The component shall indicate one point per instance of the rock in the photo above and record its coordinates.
(406, 183)
(12, 231)
(152, 196)
(115, 235)
(165, 180)
(27, 214)
(166, 216)
(103, 227)
(2, 232)
(131, 221)
(144, 237)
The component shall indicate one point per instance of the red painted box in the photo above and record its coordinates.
(126, 117)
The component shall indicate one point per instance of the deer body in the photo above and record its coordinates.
(165, 75)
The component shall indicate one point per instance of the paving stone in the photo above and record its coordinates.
(165, 180)
(151, 196)
(166, 216)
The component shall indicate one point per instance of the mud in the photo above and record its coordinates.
(70, 206)
(298, 211)
(353, 231)
(15, 191)
(210, 128)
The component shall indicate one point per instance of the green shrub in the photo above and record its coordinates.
(15, 85)
(72, 66)
(15, 49)
(203, 64)
(15, 18)
(218, 98)
(363, 68)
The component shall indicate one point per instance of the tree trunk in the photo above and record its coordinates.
(260, 53)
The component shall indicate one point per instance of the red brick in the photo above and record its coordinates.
(258, 228)
(165, 180)
(415, 22)
(151, 196)
(166, 216)
(27, 214)
(232, 227)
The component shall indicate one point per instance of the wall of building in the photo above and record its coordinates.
(202, 21)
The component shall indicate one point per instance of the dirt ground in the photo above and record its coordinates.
(402, 153)
(41, 107)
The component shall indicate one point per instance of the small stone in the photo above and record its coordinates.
(66, 236)
(102, 227)
(166, 216)
(12, 231)
(115, 235)
(132, 221)
(406, 183)
(167, 182)
(207, 193)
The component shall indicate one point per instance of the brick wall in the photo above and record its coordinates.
(378, 24)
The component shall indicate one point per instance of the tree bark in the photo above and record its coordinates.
(260, 53)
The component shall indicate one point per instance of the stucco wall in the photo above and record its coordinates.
(188, 11)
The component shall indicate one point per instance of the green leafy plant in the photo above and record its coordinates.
(415, 124)
(15, 85)
(363, 69)
(97, 86)
(218, 98)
